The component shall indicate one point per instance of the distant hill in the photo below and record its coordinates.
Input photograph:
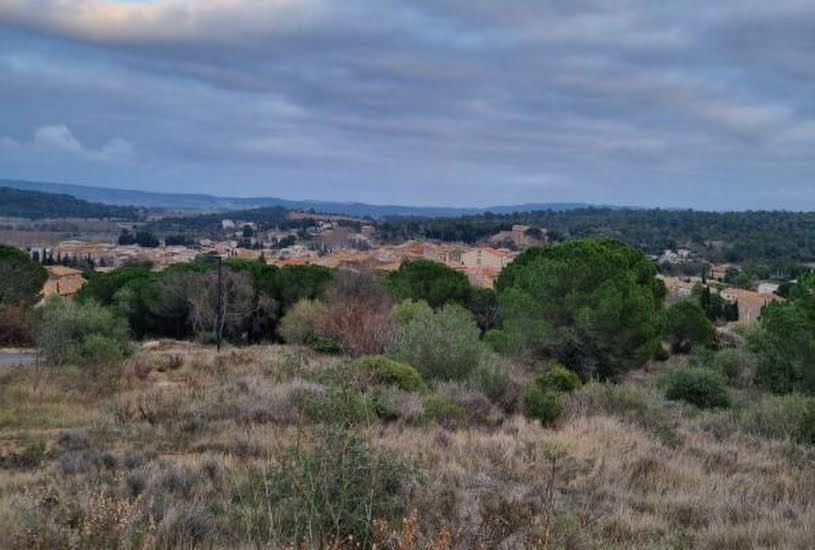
(204, 202)
(211, 222)
(36, 205)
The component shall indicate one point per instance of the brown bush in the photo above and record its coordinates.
(359, 314)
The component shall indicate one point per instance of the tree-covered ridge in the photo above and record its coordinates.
(767, 237)
(16, 203)
(211, 223)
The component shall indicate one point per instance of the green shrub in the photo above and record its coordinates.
(701, 355)
(621, 400)
(30, 457)
(386, 371)
(342, 374)
(82, 334)
(661, 354)
(97, 348)
(302, 322)
(806, 427)
(315, 498)
(384, 408)
(699, 386)
(438, 409)
(498, 340)
(559, 378)
(395, 404)
(732, 364)
(776, 416)
(543, 398)
(340, 405)
(322, 344)
(545, 405)
(478, 407)
(444, 344)
(628, 403)
(491, 377)
(407, 310)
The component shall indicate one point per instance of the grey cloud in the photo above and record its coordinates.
(445, 101)
(59, 138)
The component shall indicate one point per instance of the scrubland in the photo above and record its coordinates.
(280, 446)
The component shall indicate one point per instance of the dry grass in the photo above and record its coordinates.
(621, 487)
(153, 460)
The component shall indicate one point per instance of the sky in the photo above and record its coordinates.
(699, 104)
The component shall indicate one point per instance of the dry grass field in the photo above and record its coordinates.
(181, 448)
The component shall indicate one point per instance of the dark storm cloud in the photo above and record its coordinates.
(451, 101)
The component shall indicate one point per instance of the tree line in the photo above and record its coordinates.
(768, 242)
(594, 306)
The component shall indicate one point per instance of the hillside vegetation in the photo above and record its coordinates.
(16, 203)
(186, 449)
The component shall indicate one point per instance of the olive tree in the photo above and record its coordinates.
(442, 344)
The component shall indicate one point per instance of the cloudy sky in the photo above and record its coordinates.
(453, 102)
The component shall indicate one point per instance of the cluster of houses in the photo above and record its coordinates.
(481, 264)
(750, 302)
(341, 247)
(719, 279)
(331, 243)
(328, 233)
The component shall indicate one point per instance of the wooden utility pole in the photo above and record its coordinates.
(219, 323)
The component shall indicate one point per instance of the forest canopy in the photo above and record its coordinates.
(16, 203)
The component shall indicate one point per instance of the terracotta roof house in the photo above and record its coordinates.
(481, 276)
(487, 256)
(677, 288)
(749, 302)
(62, 281)
(719, 271)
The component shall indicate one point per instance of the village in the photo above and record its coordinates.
(719, 279)
(339, 242)
(329, 244)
